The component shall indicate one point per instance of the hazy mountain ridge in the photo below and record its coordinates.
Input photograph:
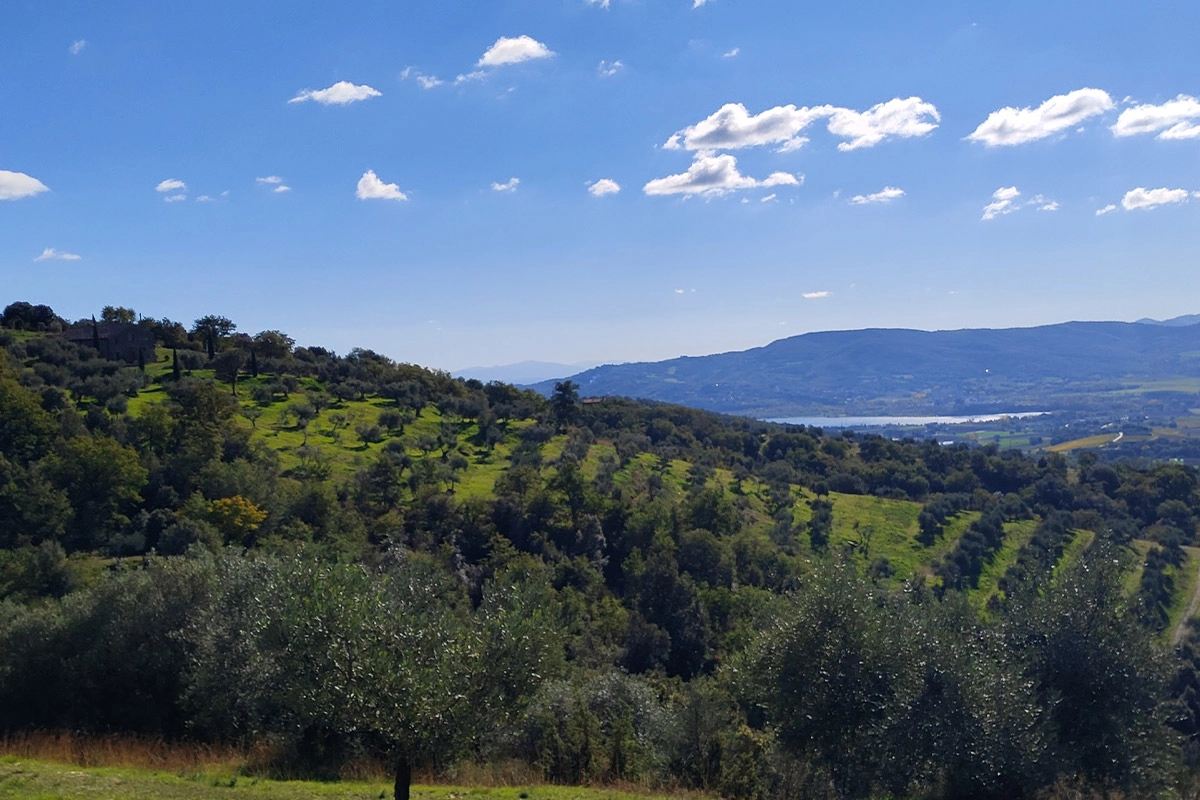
(523, 372)
(883, 370)
(1174, 322)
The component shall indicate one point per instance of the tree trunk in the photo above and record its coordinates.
(403, 777)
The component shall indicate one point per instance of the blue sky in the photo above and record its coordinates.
(459, 184)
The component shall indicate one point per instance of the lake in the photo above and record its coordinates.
(882, 422)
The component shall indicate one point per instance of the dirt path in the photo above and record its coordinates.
(1191, 612)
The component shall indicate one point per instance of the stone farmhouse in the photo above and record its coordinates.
(118, 341)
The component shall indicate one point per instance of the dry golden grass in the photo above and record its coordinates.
(66, 765)
(127, 751)
(156, 755)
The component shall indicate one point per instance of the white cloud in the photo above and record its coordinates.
(609, 68)
(15, 185)
(1146, 199)
(1003, 202)
(50, 254)
(1108, 209)
(732, 127)
(604, 186)
(513, 51)
(768, 198)
(276, 181)
(885, 195)
(425, 81)
(601, 3)
(204, 198)
(370, 187)
(477, 75)
(170, 185)
(175, 198)
(712, 175)
(698, 3)
(1174, 119)
(508, 186)
(1012, 126)
(339, 94)
(77, 46)
(816, 295)
(896, 118)
(732, 53)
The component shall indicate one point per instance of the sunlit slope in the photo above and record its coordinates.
(881, 534)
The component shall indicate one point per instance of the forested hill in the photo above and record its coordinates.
(912, 372)
(231, 538)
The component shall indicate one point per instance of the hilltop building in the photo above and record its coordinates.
(116, 341)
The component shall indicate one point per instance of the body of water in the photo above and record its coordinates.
(882, 422)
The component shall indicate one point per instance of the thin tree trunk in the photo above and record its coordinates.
(403, 777)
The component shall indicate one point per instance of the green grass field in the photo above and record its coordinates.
(1183, 384)
(1016, 536)
(25, 779)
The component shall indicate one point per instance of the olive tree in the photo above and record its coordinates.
(394, 660)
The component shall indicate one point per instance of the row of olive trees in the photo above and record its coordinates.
(849, 690)
(391, 661)
(909, 696)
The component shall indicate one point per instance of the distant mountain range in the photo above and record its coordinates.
(523, 373)
(1174, 322)
(900, 371)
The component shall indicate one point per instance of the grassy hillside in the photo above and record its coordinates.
(25, 779)
(871, 529)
